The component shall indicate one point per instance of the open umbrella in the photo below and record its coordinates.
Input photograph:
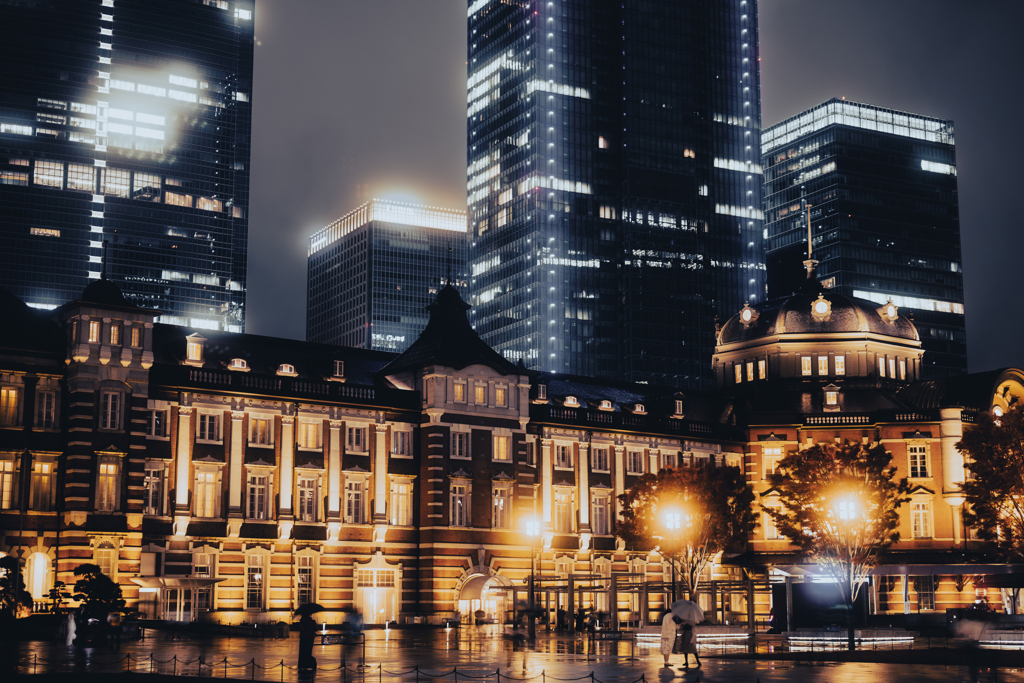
(688, 610)
(307, 609)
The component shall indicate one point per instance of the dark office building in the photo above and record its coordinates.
(373, 272)
(884, 215)
(613, 181)
(127, 122)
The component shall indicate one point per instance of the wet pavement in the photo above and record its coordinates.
(475, 653)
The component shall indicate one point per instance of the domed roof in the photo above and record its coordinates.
(105, 293)
(815, 310)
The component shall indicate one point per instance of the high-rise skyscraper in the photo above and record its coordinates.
(373, 272)
(884, 215)
(614, 184)
(127, 122)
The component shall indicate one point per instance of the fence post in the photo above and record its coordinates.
(35, 661)
(543, 676)
(253, 678)
(417, 670)
(150, 662)
(282, 670)
(455, 672)
(128, 662)
(497, 676)
(175, 665)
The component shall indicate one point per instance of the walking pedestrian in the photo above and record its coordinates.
(307, 634)
(688, 646)
(669, 626)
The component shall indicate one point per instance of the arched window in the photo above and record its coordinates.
(38, 576)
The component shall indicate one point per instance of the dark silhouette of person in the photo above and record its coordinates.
(307, 634)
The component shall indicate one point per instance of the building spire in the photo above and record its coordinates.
(810, 264)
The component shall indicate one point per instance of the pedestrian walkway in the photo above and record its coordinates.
(450, 656)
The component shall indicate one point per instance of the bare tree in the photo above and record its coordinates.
(839, 506)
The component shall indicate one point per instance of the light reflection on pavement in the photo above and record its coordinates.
(475, 651)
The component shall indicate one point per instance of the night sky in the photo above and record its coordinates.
(354, 100)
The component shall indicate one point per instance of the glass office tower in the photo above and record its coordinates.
(613, 181)
(127, 122)
(884, 215)
(373, 272)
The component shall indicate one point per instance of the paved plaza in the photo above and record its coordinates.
(478, 653)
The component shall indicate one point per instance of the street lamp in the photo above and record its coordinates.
(673, 523)
(533, 531)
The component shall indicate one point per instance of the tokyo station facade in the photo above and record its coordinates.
(230, 477)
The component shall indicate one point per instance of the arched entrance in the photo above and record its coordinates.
(38, 577)
(484, 594)
(378, 591)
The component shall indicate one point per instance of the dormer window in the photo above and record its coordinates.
(831, 398)
(571, 401)
(339, 368)
(639, 409)
(606, 405)
(239, 364)
(679, 407)
(542, 392)
(286, 369)
(193, 349)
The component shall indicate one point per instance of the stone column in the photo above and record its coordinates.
(545, 481)
(236, 473)
(619, 478)
(380, 475)
(334, 481)
(951, 429)
(285, 509)
(584, 495)
(182, 481)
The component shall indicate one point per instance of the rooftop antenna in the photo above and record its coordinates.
(103, 271)
(810, 263)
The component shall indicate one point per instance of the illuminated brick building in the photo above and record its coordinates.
(231, 477)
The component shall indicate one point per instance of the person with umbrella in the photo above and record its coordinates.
(669, 624)
(307, 635)
(690, 614)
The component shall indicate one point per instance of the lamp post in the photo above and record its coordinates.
(846, 511)
(673, 522)
(533, 531)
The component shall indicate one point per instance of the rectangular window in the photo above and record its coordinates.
(14, 178)
(822, 365)
(260, 432)
(309, 435)
(8, 484)
(194, 351)
(304, 578)
(206, 494)
(459, 392)
(46, 407)
(771, 532)
(635, 462)
(146, 186)
(925, 587)
(175, 199)
(153, 497)
(106, 485)
(881, 366)
(738, 372)
(831, 398)
(563, 511)
(772, 456)
(157, 423)
(501, 507)
(209, 204)
(307, 507)
(82, 178)
(750, 371)
(401, 444)
(918, 461)
(115, 335)
(762, 369)
(460, 445)
(110, 410)
(460, 505)
(921, 519)
(501, 448)
(599, 515)
(258, 496)
(805, 365)
(136, 337)
(354, 502)
(401, 503)
(357, 438)
(94, 331)
(840, 362)
(48, 174)
(601, 459)
(480, 394)
(115, 182)
(209, 427)
(892, 368)
(563, 456)
(8, 406)
(254, 580)
(903, 372)
(42, 486)
(106, 560)
(499, 396)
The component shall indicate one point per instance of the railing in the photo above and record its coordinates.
(288, 386)
(650, 423)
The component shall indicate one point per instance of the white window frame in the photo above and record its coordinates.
(206, 492)
(762, 369)
(501, 396)
(631, 467)
(600, 513)
(459, 387)
(921, 452)
(257, 568)
(400, 511)
(356, 439)
(259, 437)
(111, 406)
(355, 500)
(259, 494)
(157, 424)
(563, 510)
(501, 505)
(479, 394)
(305, 578)
(155, 485)
(563, 456)
(771, 532)
(401, 443)
(10, 406)
(738, 372)
(823, 365)
(771, 456)
(597, 464)
(460, 501)
(309, 435)
(922, 522)
(46, 409)
(203, 424)
(840, 363)
(9, 480)
(307, 497)
(464, 438)
(108, 483)
(42, 485)
(805, 366)
(501, 448)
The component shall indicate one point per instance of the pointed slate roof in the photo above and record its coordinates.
(449, 340)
